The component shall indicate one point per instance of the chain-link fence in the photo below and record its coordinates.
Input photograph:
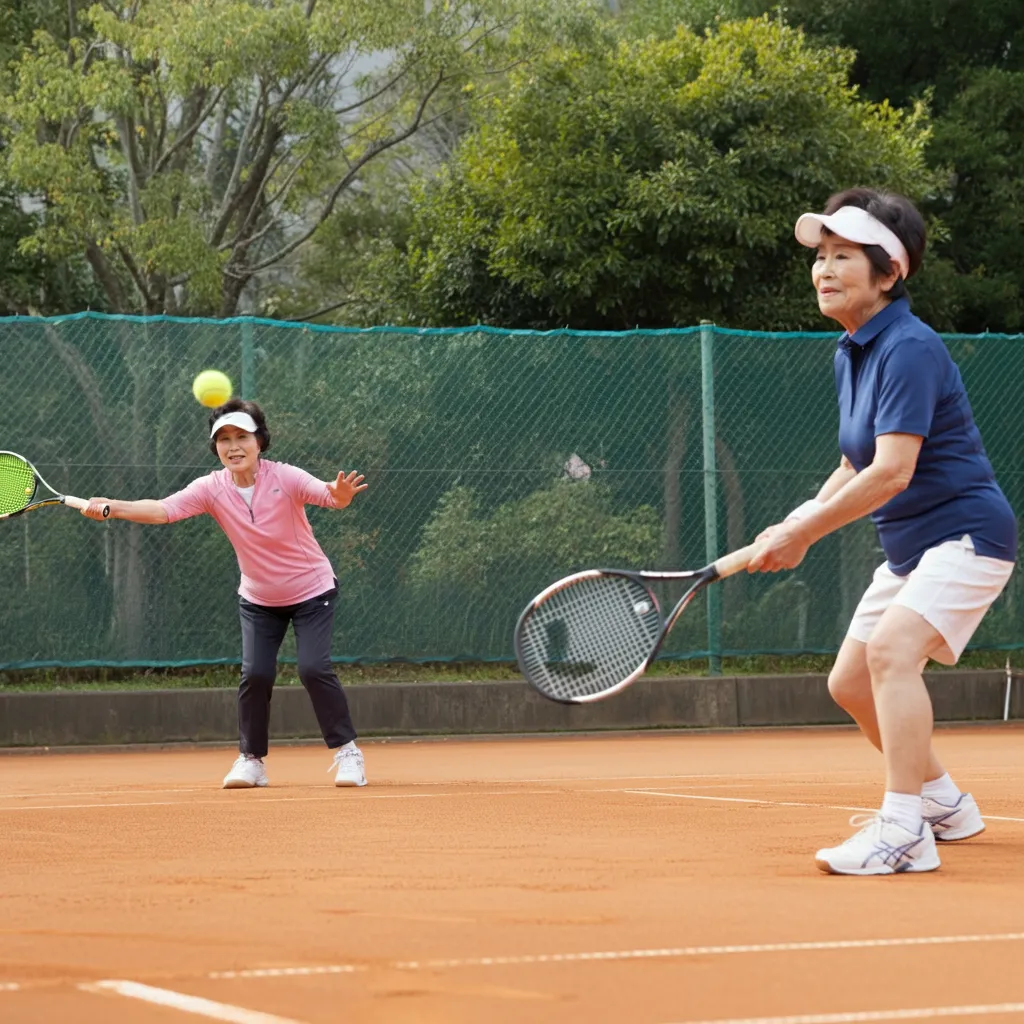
(497, 461)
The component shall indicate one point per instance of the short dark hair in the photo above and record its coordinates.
(242, 405)
(900, 216)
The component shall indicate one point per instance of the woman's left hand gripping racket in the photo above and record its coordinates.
(19, 481)
(595, 632)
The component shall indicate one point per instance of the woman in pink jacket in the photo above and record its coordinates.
(286, 577)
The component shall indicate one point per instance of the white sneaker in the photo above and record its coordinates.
(950, 822)
(881, 847)
(349, 762)
(246, 772)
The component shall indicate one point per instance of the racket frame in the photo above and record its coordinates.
(58, 499)
(727, 565)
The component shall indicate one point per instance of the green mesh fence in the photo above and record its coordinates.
(497, 461)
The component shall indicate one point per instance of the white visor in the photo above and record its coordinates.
(234, 419)
(855, 225)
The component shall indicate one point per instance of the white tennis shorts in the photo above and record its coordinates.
(951, 589)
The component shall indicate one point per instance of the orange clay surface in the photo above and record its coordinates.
(640, 879)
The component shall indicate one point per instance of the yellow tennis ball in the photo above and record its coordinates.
(212, 388)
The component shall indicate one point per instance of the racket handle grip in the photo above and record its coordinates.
(735, 561)
(81, 504)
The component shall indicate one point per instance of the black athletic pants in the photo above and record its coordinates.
(263, 630)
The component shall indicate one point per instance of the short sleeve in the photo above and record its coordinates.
(909, 388)
(305, 487)
(192, 500)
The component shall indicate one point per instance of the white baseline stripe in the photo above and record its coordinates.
(9, 986)
(462, 792)
(863, 1016)
(463, 783)
(328, 795)
(744, 800)
(187, 1004)
(103, 792)
(626, 954)
(771, 803)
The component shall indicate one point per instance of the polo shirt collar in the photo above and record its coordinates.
(877, 324)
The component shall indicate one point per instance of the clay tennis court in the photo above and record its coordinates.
(643, 878)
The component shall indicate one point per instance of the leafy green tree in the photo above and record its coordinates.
(965, 59)
(981, 138)
(905, 48)
(649, 183)
(190, 149)
(31, 283)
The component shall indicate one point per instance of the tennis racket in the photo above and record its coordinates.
(593, 633)
(19, 481)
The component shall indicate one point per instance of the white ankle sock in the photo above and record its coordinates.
(944, 790)
(904, 809)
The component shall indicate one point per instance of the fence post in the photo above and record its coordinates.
(707, 394)
(248, 362)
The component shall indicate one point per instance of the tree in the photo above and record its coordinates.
(649, 183)
(909, 48)
(981, 138)
(951, 39)
(190, 149)
(31, 283)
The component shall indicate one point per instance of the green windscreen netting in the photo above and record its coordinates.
(497, 462)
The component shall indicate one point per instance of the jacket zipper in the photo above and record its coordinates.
(255, 484)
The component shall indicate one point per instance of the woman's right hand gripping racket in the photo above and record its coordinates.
(595, 632)
(19, 481)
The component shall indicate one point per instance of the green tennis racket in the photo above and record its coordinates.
(19, 484)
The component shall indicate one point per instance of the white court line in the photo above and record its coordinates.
(187, 1004)
(463, 783)
(674, 952)
(745, 800)
(810, 777)
(9, 986)
(103, 792)
(461, 792)
(862, 1016)
(773, 803)
(328, 795)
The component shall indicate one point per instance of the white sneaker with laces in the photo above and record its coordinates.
(951, 822)
(348, 760)
(246, 772)
(881, 847)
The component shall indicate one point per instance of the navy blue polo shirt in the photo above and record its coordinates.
(895, 376)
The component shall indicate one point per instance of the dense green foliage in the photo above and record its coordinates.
(187, 149)
(331, 159)
(648, 183)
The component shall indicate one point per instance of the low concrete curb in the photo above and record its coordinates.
(67, 718)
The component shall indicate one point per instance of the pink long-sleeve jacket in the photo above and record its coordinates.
(279, 558)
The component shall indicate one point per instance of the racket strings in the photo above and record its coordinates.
(589, 637)
(17, 483)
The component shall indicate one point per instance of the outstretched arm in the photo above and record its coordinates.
(344, 489)
(145, 511)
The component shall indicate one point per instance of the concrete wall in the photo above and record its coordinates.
(67, 718)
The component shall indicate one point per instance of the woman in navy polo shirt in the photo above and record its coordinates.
(912, 459)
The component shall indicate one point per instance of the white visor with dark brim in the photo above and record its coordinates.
(234, 419)
(855, 225)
